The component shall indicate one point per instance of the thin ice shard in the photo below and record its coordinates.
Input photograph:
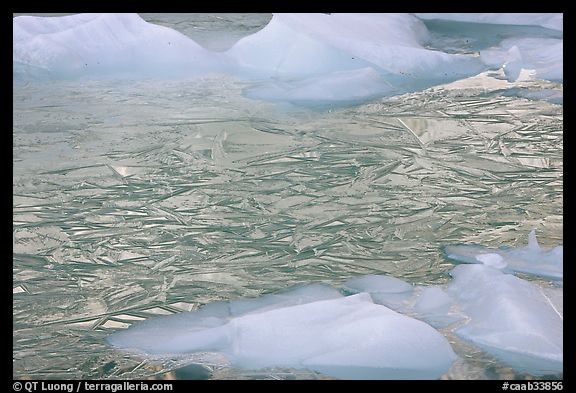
(531, 259)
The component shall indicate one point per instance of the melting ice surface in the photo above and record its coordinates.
(531, 259)
(306, 59)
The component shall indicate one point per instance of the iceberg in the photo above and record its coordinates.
(345, 337)
(312, 44)
(509, 318)
(531, 259)
(104, 45)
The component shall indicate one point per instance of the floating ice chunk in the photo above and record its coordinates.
(329, 57)
(543, 57)
(510, 318)
(283, 50)
(346, 337)
(301, 58)
(530, 259)
(96, 45)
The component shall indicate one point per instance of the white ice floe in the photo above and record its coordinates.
(345, 57)
(345, 337)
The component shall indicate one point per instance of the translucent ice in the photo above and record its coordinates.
(531, 259)
(509, 318)
(346, 337)
(433, 305)
(541, 58)
(386, 290)
(429, 304)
